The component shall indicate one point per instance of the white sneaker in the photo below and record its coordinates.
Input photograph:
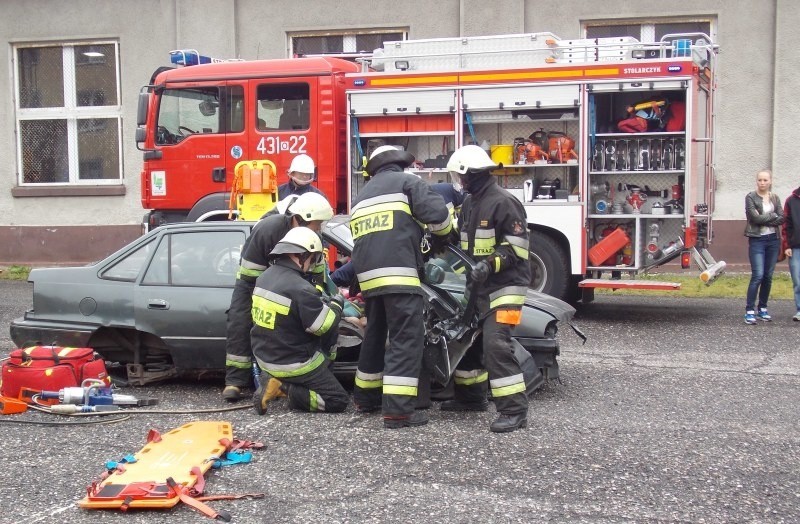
(796, 317)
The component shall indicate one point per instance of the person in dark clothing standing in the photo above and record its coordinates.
(294, 328)
(309, 210)
(791, 243)
(493, 231)
(302, 172)
(387, 257)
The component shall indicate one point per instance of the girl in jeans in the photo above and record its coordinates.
(764, 218)
(791, 243)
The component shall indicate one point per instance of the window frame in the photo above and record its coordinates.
(71, 112)
(348, 38)
(647, 26)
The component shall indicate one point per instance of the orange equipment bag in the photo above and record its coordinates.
(50, 368)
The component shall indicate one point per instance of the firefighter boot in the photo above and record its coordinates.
(458, 405)
(506, 423)
(232, 393)
(418, 418)
(260, 399)
(275, 389)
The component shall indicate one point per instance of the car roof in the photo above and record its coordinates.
(204, 225)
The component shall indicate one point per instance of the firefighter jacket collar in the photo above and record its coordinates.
(481, 181)
(285, 261)
(394, 168)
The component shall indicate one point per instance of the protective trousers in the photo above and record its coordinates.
(238, 352)
(391, 372)
(502, 370)
(315, 391)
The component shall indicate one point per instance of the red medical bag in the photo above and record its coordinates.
(50, 368)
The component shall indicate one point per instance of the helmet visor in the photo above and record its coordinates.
(301, 179)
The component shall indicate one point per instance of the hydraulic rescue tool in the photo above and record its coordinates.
(92, 396)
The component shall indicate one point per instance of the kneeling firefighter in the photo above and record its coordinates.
(294, 329)
(494, 233)
(309, 210)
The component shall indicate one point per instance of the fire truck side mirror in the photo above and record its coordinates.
(141, 110)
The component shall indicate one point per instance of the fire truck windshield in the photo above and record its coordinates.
(185, 112)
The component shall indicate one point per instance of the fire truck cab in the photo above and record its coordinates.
(196, 123)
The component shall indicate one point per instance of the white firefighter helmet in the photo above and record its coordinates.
(470, 158)
(298, 240)
(283, 205)
(385, 155)
(302, 170)
(311, 206)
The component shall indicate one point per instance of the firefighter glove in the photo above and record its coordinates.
(481, 271)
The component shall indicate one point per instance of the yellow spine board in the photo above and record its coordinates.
(255, 188)
(144, 482)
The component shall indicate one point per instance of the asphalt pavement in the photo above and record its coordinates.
(673, 411)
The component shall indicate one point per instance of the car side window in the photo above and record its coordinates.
(158, 270)
(129, 267)
(196, 259)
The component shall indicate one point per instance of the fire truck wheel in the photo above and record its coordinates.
(550, 272)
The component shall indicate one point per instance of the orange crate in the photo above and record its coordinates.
(607, 247)
(423, 123)
(383, 124)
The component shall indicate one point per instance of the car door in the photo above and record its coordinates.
(185, 293)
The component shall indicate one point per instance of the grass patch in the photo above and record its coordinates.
(14, 273)
(726, 286)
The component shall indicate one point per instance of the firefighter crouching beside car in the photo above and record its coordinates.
(494, 233)
(385, 222)
(310, 210)
(294, 327)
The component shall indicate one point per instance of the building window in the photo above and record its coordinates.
(68, 114)
(648, 31)
(342, 42)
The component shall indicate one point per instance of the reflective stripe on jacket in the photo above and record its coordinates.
(385, 222)
(494, 227)
(265, 235)
(289, 317)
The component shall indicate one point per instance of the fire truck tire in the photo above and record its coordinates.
(550, 269)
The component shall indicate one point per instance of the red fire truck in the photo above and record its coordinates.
(609, 143)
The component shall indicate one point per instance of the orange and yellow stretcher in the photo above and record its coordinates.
(166, 471)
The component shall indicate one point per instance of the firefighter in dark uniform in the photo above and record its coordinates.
(494, 233)
(386, 219)
(294, 327)
(310, 210)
